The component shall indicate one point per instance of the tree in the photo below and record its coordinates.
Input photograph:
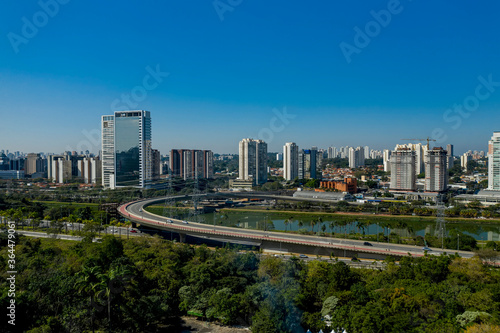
(89, 283)
(112, 282)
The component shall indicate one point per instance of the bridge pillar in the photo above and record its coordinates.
(182, 238)
(134, 224)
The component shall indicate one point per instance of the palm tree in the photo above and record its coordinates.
(109, 282)
(320, 221)
(331, 225)
(313, 223)
(88, 283)
(300, 224)
(286, 223)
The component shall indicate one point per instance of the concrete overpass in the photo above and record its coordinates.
(271, 240)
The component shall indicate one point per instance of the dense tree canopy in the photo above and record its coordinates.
(147, 284)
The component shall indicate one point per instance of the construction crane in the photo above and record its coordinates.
(421, 140)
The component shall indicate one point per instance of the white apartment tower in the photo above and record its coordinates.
(290, 161)
(436, 170)
(356, 157)
(126, 149)
(387, 160)
(403, 165)
(253, 160)
(494, 162)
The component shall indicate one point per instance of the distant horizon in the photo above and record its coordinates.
(324, 74)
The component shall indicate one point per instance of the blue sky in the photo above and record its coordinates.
(232, 64)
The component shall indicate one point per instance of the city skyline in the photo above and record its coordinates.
(291, 73)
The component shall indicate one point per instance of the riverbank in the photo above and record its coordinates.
(361, 216)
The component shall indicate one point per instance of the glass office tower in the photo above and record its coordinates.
(132, 158)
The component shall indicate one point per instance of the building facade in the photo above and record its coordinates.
(494, 162)
(191, 164)
(356, 157)
(290, 161)
(436, 170)
(403, 170)
(253, 161)
(310, 164)
(127, 149)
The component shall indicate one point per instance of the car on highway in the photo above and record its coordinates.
(186, 222)
(170, 221)
(140, 210)
(69, 224)
(133, 231)
(425, 248)
(367, 244)
(303, 256)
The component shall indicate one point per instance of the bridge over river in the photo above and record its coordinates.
(280, 242)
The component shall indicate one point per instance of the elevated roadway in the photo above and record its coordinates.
(271, 240)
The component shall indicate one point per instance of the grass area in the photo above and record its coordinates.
(61, 203)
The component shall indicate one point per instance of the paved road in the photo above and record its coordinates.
(135, 211)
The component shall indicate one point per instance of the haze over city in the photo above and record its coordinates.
(348, 73)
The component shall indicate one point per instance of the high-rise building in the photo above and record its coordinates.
(356, 157)
(332, 152)
(387, 160)
(494, 162)
(403, 165)
(89, 169)
(464, 159)
(33, 164)
(127, 134)
(450, 158)
(436, 170)
(310, 164)
(290, 161)
(420, 155)
(190, 164)
(253, 160)
(59, 168)
(156, 160)
(108, 151)
(366, 152)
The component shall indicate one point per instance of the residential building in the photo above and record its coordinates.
(403, 169)
(33, 164)
(450, 157)
(356, 157)
(190, 164)
(290, 161)
(436, 170)
(494, 162)
(156, 163)
(464, 159)
(387, 160)
(310, 164)
(89, 170)
(253, 161)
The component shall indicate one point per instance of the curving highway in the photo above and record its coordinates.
(135, 212)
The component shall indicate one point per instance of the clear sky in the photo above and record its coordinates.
(336, 72)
